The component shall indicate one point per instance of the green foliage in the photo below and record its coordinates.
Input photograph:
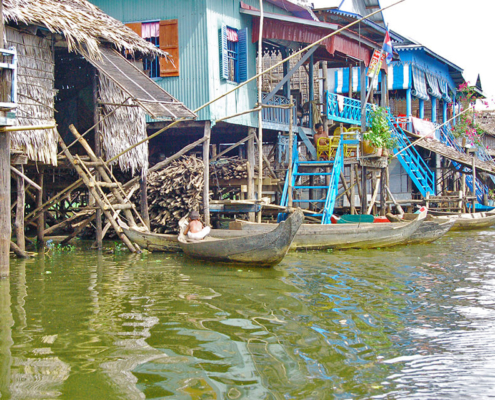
(466, 125)
(379, 134)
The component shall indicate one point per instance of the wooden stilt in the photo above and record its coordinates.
(19, 212)
(346, 188)
(41, 217)
(143, 186)
(99, 227)
(251, 162)
(473, 207)
(364, 196)
(351, 200)
(356, 170)
(206, 161)
(383, 192)
(5, 227)
(90, 184)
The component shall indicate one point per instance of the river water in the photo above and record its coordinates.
(415, 322)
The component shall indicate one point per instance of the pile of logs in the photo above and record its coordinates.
(173, 192)
(229, 168)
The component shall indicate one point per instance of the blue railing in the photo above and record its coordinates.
(278, 115)
(348, 111)
(411, 161)
(333, 188)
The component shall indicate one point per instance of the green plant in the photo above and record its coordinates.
(491, 194)
(466, 125)
(379, 134)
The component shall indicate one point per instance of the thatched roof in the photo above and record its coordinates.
(82, 24)
(486, 120)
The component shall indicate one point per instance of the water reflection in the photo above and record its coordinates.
(413, 322)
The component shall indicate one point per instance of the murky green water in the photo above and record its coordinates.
(416, 322)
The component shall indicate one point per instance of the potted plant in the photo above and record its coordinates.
(379, 137)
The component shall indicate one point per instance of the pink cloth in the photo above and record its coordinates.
(151, 30)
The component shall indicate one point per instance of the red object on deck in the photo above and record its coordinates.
(379, 220)
(334, 219)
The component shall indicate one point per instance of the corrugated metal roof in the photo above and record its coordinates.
(295, 9)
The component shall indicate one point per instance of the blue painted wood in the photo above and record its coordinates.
(224, 68)
(415, 166)
(243, 54)
(309, 145)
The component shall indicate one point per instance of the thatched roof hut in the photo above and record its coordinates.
(65, 68)
(83, 25)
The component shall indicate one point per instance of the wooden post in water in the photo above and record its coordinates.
(206, 161)
(98, 152)
(41, 217)
(364, 191)
(19, 211)
(143, 187)
(383, 191)
(250, 167)
(291, 145)
(260, 113)
(351, 202)
(473, 208)
(5, 227)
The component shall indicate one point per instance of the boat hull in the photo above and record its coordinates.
(153, 241)
(263, 249)
(429, 231)
(346, 236)
(465, 222)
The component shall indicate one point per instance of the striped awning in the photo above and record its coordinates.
(420, 91)
(444, 88)
(399, 77)
(342, 80)
(433, 90)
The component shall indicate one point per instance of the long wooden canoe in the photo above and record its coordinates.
(429, 231)
(169, 243)
(464, 222)
(263, 249)
(346, 236)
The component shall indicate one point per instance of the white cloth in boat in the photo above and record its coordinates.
(199, 235)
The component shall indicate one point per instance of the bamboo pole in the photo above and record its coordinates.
(291, 144)
(24, 177)
(19, 212)
(206, 173)
(260, 112)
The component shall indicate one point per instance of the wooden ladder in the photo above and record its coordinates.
(120, 200)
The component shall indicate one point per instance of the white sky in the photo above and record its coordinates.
(458, 30)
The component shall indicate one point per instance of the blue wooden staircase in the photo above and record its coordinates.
(417, 169)
(349, 111)
(448, 139)
(299, 173)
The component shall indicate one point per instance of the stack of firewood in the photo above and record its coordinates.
(173, 192)
(229, 168)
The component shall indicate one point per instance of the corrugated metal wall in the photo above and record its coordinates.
(192, 85)
(227, 12)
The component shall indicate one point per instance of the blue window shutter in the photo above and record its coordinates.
(243, 59)
(224, 63)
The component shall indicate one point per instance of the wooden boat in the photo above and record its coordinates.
(430, 230)
(263, 249)
(170, 243)
(464, 222)
(345, 236)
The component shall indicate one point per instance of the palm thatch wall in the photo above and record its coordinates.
(82, 24)
(122, 129)
(36, 79)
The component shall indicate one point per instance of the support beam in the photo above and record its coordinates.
(433, 109)
(19, 212)
(287, 77)
(364, 84)
(98, 152)
(5, 226)
(409, 108)
(41, 217)
(444, 112)
(364, 196)
(206, 161)
(351, 80)
(250, 166)
(351, 202)
(143, 186)
(311, 89)
(384, 99)
(421, 108)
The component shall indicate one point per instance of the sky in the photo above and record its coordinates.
(458, 30)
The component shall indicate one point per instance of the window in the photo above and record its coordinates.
(233, 56)
(164, 35)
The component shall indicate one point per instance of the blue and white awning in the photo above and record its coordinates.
(342, 80)
(420, 91)
(399, 77)
(444, 87)
(434, 90)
